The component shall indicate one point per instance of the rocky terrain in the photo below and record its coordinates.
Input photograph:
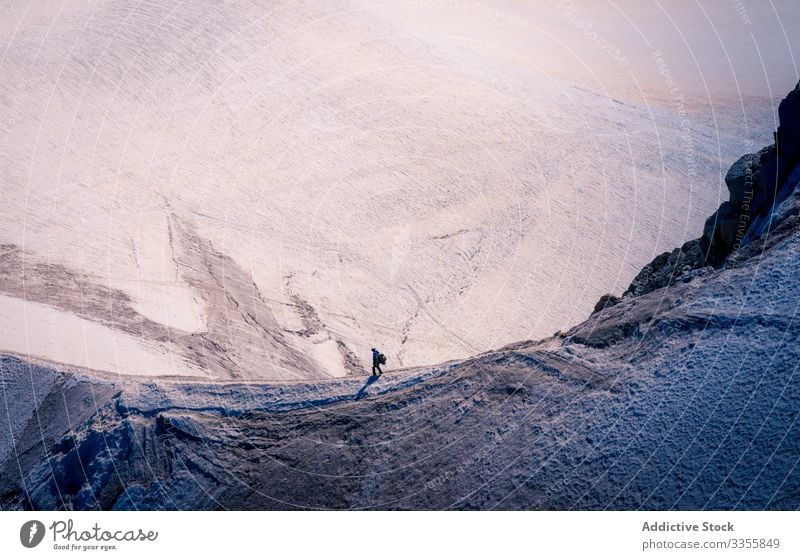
(679, 395)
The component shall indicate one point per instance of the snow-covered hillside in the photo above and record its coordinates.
(692, 403)
(682, 394)
(263, 190)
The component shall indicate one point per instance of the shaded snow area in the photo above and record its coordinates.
(257, 190)
(682, 398)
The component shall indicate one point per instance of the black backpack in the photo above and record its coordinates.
(381, 359)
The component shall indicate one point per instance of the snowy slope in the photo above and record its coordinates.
(225, 375)
(252, 182)
(682, 398)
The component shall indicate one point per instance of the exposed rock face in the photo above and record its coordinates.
(666, 268)
(741, 177)
(756, 184)
(788, 135)
(608, 300)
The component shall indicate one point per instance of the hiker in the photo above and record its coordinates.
(377, 360)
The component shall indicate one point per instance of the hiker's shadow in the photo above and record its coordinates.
(363, 391)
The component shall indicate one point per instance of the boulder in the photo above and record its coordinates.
(667, 268)
(742, 178)
(606, 301)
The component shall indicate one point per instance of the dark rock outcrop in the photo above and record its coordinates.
(606, 301)
(787, 138)
(666, 268)
(756, 184)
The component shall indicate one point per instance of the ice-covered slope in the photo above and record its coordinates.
(265, 190)
(695, 406)
(678, 396)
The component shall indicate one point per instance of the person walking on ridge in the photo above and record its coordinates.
(377, 360)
